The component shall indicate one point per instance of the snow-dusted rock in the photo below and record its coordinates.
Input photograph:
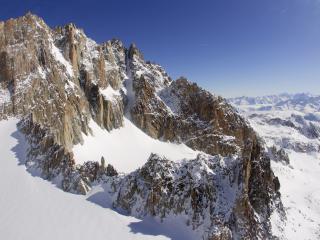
(206, 191)
(58, 81)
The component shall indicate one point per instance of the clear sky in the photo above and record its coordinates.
(230, 47)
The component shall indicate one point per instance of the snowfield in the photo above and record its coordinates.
(300, 194)
(32, 208)
(127, 148)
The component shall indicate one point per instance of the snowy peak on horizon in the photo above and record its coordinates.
(297, 101)
(269, 99)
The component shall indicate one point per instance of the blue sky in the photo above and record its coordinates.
(230, 47)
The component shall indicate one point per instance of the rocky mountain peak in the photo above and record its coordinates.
(134, 51)
(58, 81)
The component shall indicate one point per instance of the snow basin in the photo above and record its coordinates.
(32, 208)
(127, 148)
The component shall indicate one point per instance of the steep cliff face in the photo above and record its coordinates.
(181, 111)
(57, 80)
(59, 76)
(39, 80)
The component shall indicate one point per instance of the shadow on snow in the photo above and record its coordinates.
(147, 226)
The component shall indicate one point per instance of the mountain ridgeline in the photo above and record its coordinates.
(58, 80)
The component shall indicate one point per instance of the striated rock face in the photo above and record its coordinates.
(57, 80)
(32, 61)
(68, 71)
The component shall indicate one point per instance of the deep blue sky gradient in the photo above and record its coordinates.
(231, 47)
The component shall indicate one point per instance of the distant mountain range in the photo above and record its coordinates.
(299, 101)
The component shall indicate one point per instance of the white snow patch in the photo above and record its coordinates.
(109, 66)
(109, 93)
(90, 54)
(60, 58)
(171, 100)
(24, 81)
(41, 72)
(4, 96)
(127, 148)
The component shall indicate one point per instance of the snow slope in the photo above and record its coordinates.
(127, 148)
(300, 193)
(31, 208)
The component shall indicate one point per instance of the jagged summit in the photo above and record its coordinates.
(134, 51)
(66, 88)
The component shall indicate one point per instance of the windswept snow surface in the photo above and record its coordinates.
(127, 148)
(32, 208)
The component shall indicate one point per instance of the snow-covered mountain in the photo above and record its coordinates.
(99, 120)
(304, 102)
(290, 127)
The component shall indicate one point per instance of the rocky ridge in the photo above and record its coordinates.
(57, 80)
